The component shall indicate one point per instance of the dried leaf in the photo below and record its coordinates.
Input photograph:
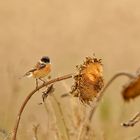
(132, 89)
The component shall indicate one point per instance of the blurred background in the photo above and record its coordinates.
(67, 31)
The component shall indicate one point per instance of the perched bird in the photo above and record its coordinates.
(40, 70)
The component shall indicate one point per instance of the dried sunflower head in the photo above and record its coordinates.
(89, 80)
(132, 89)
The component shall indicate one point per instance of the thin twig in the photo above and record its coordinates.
(58, 111)
(83, 127)
(60, 119)
(35, 130)
(98, 99)
(132, 121)
(30, 95)
(49, 90)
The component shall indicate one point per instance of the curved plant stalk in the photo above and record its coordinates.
(105, 88)
(86, 123)
(28, 98)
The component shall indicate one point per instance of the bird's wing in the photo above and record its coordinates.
(30, 72)
(40, 66)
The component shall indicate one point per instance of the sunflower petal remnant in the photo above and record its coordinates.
(132, 89)
(89, 80)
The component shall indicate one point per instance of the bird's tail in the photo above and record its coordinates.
(28, 74)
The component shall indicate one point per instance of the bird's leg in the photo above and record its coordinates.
(36, 80)
(42, 80)
(49, 77)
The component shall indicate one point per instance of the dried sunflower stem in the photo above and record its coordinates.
(28, 98)
(86, 123)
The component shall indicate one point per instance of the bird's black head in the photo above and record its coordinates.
(45, 59)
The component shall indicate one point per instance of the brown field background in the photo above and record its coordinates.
(67, 31)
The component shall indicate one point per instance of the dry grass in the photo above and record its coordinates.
(67, 32)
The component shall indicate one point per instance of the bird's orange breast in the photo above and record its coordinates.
(42, 72)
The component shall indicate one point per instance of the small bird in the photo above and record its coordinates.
(40, 70)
